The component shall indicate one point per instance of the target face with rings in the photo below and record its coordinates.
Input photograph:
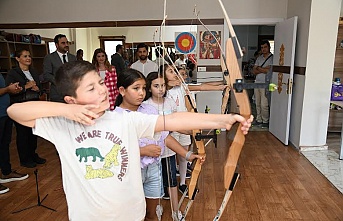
(185, 42)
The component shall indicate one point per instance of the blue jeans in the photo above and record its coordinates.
(152, 181)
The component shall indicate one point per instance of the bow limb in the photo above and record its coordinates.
(244, 109)
(233, 53)
(232, 72)
(201, 151)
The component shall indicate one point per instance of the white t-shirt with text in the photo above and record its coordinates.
(101, 164)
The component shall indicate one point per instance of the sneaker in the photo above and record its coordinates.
(13, 176)
(264, 125)
(39, 160)
(189, 167)
(177, 216)
(183, 188)
(188, 174)
(3, 189)
(159, 212)
(166, 196)
(256, 123)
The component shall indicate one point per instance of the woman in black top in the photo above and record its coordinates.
(28, 79)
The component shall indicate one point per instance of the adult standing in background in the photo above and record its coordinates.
(79, 55)
(144, 65)
(160, 57)
(117, 59)
(6, 135)
(53, 61)
(28, 80)
(260, 69)
(181, 61)
(108, 73)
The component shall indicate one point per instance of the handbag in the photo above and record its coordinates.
(337, 92)
(30, 95)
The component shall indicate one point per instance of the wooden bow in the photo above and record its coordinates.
(199, 145)
(232, 72)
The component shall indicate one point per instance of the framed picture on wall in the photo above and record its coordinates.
(209, 44)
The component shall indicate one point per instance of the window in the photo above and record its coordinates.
(109, 43)
(51, 46)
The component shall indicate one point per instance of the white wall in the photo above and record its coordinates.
(302, 9)
(319, 69)
(38, 11)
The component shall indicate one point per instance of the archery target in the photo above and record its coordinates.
(185, 42)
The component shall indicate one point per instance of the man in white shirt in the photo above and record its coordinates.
(260, 69)
(181, 61)
(143, 64)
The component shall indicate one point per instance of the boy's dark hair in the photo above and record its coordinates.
(152, 76)
(69, 75)
(127, 78)
(142, 45)
(58, 37)
(265, 42)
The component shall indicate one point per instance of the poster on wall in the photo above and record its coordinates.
(209, 44)
(185, 42)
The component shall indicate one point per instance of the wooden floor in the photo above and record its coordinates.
(277, 183)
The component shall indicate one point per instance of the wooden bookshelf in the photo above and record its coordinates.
(7, 55)
(336, 116)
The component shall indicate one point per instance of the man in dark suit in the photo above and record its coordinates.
(53, 61)
(117, 59)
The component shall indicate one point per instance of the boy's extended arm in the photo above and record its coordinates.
(189, 121)
(26, 113)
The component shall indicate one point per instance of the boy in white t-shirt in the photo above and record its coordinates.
(99, 149)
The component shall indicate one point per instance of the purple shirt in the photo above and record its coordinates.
(148, 109)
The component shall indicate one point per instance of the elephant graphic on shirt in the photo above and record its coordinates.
(84, 153)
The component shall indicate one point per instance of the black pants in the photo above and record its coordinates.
(5, 140)
(26, 143)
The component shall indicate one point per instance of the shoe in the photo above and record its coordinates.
(183, 188)
(159, 212)
(177, 216)
(28, 164)
(166, 196)
(39, 160)
(3, 189)
(264, 125)
(13, 176)
(188, 174)
(256, 123)
(189, 167)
